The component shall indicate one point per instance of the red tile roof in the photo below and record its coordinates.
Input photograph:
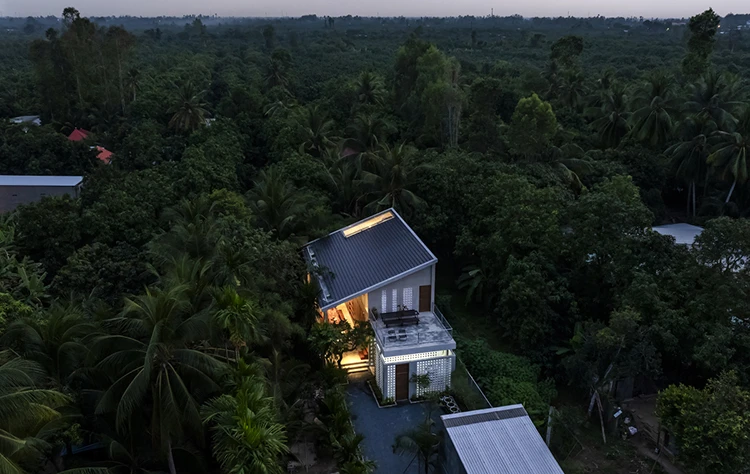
(78, 135)
(104, 155)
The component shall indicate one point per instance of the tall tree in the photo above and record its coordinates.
(532, 127)
(729, 153)
(370, 88)
(714, 96)
(654, 106)
(188, 112)
(315, 130)
(153, 362)
(703, 28)
(276, 203)
(57, 343)
(387, 184)
(26, 408)
(612, 116)
(690, 153)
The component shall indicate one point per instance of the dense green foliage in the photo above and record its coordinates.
(710, 424)
(531, 155)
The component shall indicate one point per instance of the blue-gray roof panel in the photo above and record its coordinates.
(499, 440)
(366, 259)
(68, 181)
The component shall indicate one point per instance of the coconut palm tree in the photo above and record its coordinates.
(246, 437)
(370, 88)
(284, 377)
(612, 116)
(366, 132)
(27, 410)
(572, 90)
(690, 153)
(276, 203)
(654, 107)
(188, 112)
(57, 343)
(714, 96)
(156, 372)
(238, 318)
(422, 442)
(277, 74)
(729, 154)
(133, 83)
(388, 182)
(343, 179)
(315, 130)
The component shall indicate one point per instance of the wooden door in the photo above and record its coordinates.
(425, 298)
(402, 382)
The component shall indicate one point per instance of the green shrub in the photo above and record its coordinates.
(507, 379)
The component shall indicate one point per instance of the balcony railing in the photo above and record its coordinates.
(441, 318)
(433, 328)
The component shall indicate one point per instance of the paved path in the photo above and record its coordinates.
(380, 426)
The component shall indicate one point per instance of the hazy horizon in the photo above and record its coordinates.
(276, 8)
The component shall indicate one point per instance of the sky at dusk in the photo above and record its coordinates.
(646, 8)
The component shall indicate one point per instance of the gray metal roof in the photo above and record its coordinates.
(367, 259)
(683, 233)
(500, 440)
(68, 181)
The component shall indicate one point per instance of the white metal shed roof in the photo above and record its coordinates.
(500, 440)
(66, 181)
(683, 233)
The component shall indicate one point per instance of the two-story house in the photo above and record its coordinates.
(378, 270)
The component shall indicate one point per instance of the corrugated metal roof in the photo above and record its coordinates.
(367, 259)
(683, 233)
(68, 181)
(499, 440)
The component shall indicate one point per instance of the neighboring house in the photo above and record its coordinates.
(500, 440)
(17, 190)
(104, 155)
(78, 135)
(684, 234)
(378, 270)
(27, 119)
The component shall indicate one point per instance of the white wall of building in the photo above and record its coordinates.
(440, 369)
(402, 287)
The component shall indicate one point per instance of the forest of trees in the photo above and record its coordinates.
(163, 318)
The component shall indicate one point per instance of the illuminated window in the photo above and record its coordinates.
(406, 296)
(383, 301)
(364, 225)
(394, 300)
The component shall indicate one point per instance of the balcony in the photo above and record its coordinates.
(427, 331)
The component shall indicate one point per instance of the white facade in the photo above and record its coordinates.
(426, 348)
(403, 291)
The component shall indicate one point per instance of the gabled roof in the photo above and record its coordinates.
(67, 181)
(500, 440)
(78, 134)
(683, 233)
(366, 255)
(104, 155)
